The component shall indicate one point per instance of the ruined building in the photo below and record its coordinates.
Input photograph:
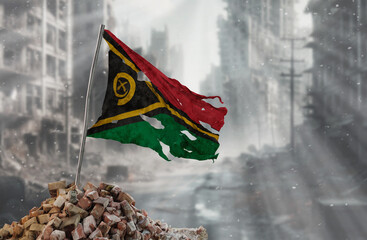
(35, 69)
(248, 78)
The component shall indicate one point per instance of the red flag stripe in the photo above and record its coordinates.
(181, 97)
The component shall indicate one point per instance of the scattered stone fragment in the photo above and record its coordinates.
(125, 196)
(72, 196)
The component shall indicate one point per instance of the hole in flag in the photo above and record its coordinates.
(207, 126)
(153, 122)
(115, 121)
(189, 135)
(142, 77)
(166, 150)
(189, 151)
(214, 102)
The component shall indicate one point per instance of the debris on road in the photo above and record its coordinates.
(103, 212)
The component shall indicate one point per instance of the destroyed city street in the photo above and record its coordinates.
(262, 137)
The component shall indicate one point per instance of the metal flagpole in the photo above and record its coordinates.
(86, 108)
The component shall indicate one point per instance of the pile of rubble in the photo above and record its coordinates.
(104, 212)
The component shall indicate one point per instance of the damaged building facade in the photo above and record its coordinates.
(45, 57)
(251, 48)
(35, 69)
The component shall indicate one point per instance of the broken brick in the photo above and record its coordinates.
(30, 222)
(128, 211)
(97, 211)
(125, 196)
(36, 227)
(47, 231)
(54, 210)
(130, 228)
(56, 222)
(115, 191)
(18, 230)
(44, 218)
(36, 213)
(96, 234)
(89, 185)
(60, 200)
(103, 201)
(104, 228)
(89, 224)
(85, 203)
(78, 232)
(24, 219)
(92, 195)
(54, 186)
(110, 219)
(58, 235)
(71, 209)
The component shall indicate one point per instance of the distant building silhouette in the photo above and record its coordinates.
(88, 16)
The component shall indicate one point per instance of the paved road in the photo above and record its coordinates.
(272, 197)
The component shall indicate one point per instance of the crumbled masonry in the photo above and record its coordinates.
(101, 213)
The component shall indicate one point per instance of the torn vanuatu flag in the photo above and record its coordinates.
(157, 112)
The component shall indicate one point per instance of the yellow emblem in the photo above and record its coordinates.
(123, 87)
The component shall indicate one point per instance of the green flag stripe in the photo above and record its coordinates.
(143, 134)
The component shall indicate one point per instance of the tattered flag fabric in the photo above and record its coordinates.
(155, 112)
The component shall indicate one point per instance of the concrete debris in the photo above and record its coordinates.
(104, 212)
